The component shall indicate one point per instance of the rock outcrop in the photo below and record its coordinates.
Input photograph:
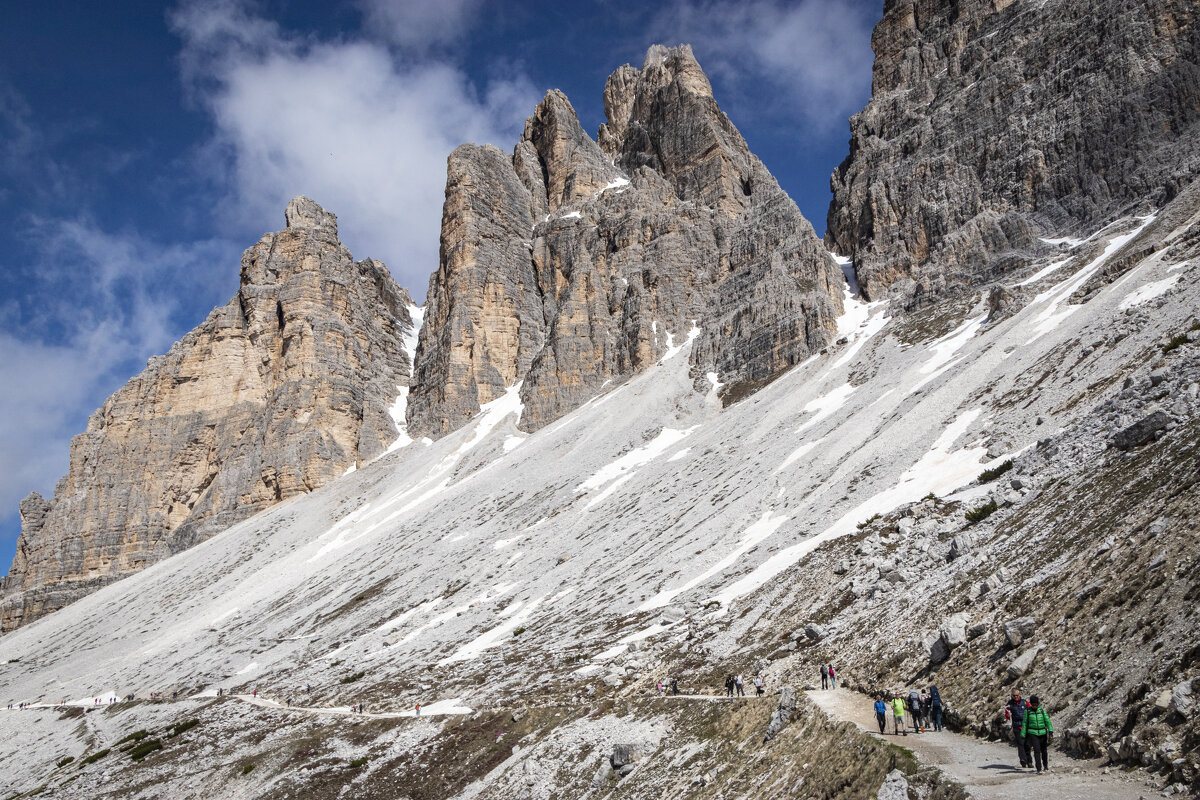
(276, 393)
(993, 120)
(575, 263)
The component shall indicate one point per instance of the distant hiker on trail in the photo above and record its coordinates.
(729, 686)
(898, 715)
(660, 687)
(737, 682)
(914, 709)
(759, 691)
(675, 686)
(935, 707)
(925, 700)
(1015, 713)
(832, 677)
(255, 692)
(1037, 731)
(881, 713)
(824, 676)
(418, 709)
(308, 689)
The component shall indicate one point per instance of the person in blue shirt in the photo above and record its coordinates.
(880, 713)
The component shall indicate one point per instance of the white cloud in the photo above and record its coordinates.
(813, 55)
(361, 130)
(418, 24)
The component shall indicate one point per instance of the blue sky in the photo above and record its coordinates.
(144, 145)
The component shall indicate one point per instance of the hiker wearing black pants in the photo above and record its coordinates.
(1015, 713)
(1038, 731)
(824, 677)
(881, 713)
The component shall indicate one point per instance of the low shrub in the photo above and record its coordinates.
(358, 762)
(63, 762)
(867, 522)
(518, 631)
(133, 738)
(989, 475)
(144, 749)
(352, 678)
(94, 757)
(246, 769)
(180, 727)
(982, 512)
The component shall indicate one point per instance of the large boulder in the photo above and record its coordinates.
(783, 714)
(1142, 431)
(895, 787)
(1018, 630)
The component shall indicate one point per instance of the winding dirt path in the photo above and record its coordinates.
(989, 770)
(440, 708)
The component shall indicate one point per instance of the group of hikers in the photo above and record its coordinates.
(828, 676)
(922, 707)
(1032, 729)
(735, 686)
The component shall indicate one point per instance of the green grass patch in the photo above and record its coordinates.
(144, 749)
(63, 762)
(989, 475)
(518, 631)
(866, 522)
(352, 678)
(359, 762)
(246, 769)
(1179, 339)
(982, 512)
(180, 727)
(94, 757)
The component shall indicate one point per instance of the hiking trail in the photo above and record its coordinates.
(988, 770)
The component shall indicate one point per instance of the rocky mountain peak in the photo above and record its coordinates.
(273, 395)
(301, 212)
(575, 263)
(573, 166)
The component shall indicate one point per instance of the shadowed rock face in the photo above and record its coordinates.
(573, 263)
(992, 121)
(276, 393)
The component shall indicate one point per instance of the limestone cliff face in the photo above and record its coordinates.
(992, 121)
(573, 263)
(276, 393)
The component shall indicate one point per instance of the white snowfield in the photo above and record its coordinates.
(442, 561)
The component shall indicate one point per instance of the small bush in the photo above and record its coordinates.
(94, 757)
(989, 475)
(983, 512)
(134, 737)
(246, 769)
(65, 761)
(352, 678)
(867, 522)
(180, 727)
(518, 631)
(144, 749)
(358, 762)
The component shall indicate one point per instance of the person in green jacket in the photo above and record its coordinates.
(1038, 730)
(898, 714)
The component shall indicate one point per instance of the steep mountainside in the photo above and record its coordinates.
(995, 121)
(572, 265)
(275, 394)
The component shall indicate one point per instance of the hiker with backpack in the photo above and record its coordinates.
(935, 707)
(832, 677)
(824, 676)
(1037, 731)
(898, 715)
(914, 709)
(1015, 713)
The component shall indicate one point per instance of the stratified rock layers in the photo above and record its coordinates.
(573, 263)
(992, 121)
(276, 393)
